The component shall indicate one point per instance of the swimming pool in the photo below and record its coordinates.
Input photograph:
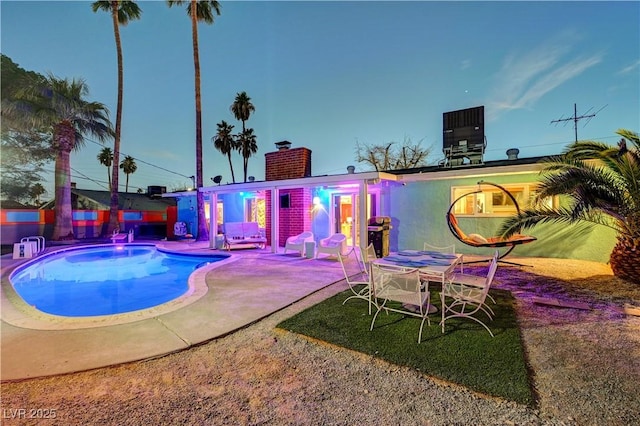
(105, 280)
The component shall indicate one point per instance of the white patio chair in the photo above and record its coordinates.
(467, 300)
(297, 242)
(120, 237)
(471, 281)
(334, 245)
(365, 258)
(442, 249)
(396, 284)
(357, 276)
(370, 254)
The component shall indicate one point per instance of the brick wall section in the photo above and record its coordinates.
(293, 220)
(288, 164)
(267, 215)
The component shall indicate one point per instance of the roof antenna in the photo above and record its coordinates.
(575, 118)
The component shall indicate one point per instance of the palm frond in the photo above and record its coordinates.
(56, 100)
(205, 9)
(558, 180)
(588, 150)
(605, 191)
(529, 218)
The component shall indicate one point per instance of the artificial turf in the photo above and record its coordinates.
(465, 354)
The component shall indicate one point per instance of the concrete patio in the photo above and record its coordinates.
(249, 286)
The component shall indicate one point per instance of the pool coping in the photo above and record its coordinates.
(17, 312)
(254, 286)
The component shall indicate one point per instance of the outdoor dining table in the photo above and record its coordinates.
(432, 265)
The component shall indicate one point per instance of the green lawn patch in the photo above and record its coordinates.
(465, 354)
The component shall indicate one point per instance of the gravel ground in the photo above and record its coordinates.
(585, 367)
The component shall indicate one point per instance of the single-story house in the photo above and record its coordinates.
(291, 200)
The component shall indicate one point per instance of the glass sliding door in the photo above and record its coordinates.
(346, 214)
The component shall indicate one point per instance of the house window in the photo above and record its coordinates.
(487, 200)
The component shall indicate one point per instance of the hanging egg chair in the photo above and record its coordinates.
(476, 240)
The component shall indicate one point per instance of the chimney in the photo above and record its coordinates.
(283, 145)
(287, 163)
(512, 153)
(351, 169)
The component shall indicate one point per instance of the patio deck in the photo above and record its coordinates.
(250, 286)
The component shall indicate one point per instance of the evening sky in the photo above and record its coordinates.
(325, 75)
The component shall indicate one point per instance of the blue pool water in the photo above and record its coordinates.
(106, 280)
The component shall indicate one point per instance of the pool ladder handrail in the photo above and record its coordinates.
(40, 242)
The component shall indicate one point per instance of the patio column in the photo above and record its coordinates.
(213, 219)
(275, 218)
(362, 216)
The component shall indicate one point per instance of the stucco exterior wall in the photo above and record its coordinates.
(418, 212)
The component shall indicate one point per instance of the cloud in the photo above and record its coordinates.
(466, 63)
(628, 69)
(524, 79)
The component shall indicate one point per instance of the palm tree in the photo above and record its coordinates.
(59, 105)
(224, 142)
(242, 108)
(602, 183)
(199, 10)
(128, 166)
(122, 11)
(248, 146)
(106, 159)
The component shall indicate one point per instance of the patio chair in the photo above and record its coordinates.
(397, 284)
(442, 249)
(471, 281)
(365, 258)
(121, 237)
(334, 245)
(297, 242)
(370, 254)
(358, 280)
(465, 300)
